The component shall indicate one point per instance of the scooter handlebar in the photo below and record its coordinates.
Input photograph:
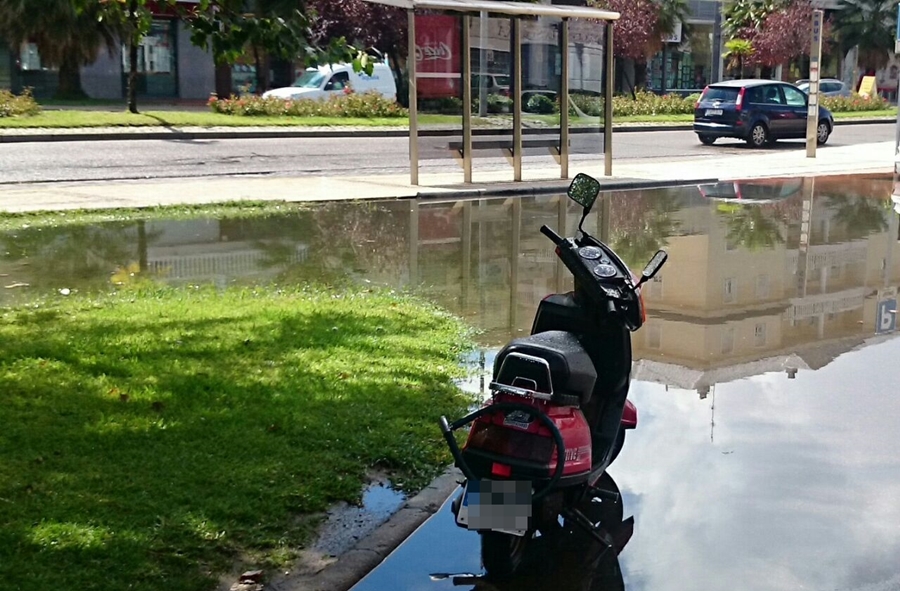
(553, 236)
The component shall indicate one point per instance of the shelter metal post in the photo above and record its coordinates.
(467, 98)
(564, 99)
(413, 102)
(517, 98)
(608, 102)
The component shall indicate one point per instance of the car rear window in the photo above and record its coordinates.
(721, 94)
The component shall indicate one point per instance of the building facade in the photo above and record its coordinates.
(169, 66)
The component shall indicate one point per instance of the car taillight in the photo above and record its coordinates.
(740, 100)
(697, 104)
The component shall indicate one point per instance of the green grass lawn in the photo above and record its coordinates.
(148, 439)
(86, 119)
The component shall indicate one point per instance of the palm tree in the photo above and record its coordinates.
(868, 25)
(737, 52)
(860, 216)
(752, 228)
(671, 13)
(66, 37)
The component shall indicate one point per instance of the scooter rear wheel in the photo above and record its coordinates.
(502, 554)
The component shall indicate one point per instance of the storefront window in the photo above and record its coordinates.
(157, 66)
(688, 61)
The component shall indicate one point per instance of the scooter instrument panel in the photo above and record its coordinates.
(590, 253)
(605, 271)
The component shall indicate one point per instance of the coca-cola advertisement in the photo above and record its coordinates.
(437, 56)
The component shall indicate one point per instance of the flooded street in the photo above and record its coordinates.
(766, 377)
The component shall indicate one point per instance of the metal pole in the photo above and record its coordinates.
(564, 99)
(815, 56)
(517, 99)
(608, 101)
(482, 63)
(413, 102)
(467, 98)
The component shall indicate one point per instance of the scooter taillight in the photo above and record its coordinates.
(507, 442)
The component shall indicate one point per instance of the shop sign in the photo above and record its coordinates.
(675, 35)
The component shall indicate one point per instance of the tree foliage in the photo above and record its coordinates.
(786, 34)
(66, 36)
(868, 25)
(268, 29)
(633, 38)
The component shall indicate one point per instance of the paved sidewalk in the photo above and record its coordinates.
(631, 173)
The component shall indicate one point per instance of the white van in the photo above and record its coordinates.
(325, 81)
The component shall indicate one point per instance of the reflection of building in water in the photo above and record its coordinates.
(722, 311)
(784, 285)
(205, 251)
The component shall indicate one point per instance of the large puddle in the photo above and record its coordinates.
(766, 377)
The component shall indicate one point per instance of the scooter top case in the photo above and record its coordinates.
(572, 372)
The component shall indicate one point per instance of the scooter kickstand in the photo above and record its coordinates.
(606, 495)
(595, 531)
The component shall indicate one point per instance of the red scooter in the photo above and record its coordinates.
(559, 410)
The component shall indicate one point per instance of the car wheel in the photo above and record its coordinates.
(823, 130)
(707, 140)
(759, 136)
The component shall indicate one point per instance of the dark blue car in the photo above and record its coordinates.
(756, 111)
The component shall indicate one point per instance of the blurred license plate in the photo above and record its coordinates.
(713, 112)
(503, 506)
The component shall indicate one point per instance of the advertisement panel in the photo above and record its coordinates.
(438, 50)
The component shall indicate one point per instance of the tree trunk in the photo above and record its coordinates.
(662, 81)
(132, 75)
(132, 56)
(223, 80)
(70, 78)
(400, 79)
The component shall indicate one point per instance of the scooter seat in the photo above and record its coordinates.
(572, 373)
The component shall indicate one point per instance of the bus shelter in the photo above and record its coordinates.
(536, 78)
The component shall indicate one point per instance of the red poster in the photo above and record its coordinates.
(437, 56)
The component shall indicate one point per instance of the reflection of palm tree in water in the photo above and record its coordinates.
(642, 224)
(752, 227)
(860, 216)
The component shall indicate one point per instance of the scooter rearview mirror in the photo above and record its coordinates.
(584, 190)
(653, 267)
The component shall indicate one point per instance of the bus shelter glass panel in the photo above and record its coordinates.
(491, 58)
(587, 59)
(541, 85)
(439, 89)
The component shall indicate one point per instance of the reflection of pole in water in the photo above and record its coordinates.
(712, 417)
(413, 242)
(466, 255)
(561, 225)
(516, 216)
(603, 218)
(805, 229)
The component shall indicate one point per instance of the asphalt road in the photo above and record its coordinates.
(146, 159)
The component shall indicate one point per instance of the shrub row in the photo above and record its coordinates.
(12, 105)
(369, 104)
(373, 104)
(848, 104)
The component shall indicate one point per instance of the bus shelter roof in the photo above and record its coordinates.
(503, 7)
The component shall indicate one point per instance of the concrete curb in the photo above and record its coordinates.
(357, 562)
(180, 135)
(551, 187)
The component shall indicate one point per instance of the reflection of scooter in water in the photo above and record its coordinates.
(570, 559)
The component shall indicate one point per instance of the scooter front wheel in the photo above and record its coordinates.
(502, 554)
